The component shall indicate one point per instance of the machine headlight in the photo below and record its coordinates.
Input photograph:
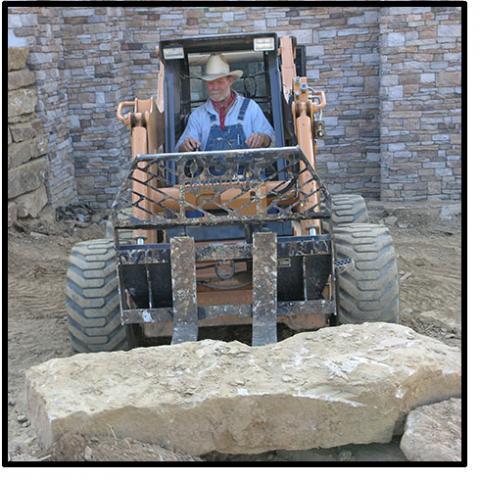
(173, 53)
(264, 44)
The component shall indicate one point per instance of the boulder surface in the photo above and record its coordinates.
(337, 386)
(434, 432)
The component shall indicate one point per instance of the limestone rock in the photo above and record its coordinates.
(32, 203)
(20, 78)
(338, 386)
(27, 177)
(17, 58)
(21, 102)
(433, 433)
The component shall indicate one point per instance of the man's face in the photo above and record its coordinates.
(219, 89)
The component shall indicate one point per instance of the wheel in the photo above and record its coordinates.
(368, 289)
(93, 306)
(347, 208)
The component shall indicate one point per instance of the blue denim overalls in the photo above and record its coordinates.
(232, 137)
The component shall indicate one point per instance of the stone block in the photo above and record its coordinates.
(427, 77)
(449, 79)
(22, 20)
(450, 30)
(27, 177)
(198, 397)
(395, 39)
(321, 34)
(395, 93)
(26, 130)
(315, 50)
(21, 102)
(32, 203)
(20, 78)
(389, 80)
(17, 58)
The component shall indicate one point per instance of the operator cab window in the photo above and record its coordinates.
(185, 91)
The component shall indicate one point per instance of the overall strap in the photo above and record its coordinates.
(243, 109)
(213, 117)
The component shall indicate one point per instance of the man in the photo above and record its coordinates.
(227, 120)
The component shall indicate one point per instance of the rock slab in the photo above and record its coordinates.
(434, 433)
(352, 384)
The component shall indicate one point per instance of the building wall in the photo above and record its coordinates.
(41, 29)
(391, 76)
(420, 98)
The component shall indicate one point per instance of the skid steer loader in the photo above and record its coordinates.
(233, 237)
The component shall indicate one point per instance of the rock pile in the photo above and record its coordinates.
(352, 384)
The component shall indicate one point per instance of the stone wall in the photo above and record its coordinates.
(27, 142)
(391, 76)
(420, 98)
(99, 78)
(41, 29)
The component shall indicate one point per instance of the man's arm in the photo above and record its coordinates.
(191, 137)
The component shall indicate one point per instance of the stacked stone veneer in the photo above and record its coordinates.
(420, 103)
(42, 30)
(391, 76)
(27, 142)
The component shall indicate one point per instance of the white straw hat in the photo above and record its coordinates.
(217, 67)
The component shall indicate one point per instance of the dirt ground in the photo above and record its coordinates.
(429, 258)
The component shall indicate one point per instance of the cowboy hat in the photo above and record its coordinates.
(217, 67)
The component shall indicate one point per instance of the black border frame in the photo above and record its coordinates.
(340, 4)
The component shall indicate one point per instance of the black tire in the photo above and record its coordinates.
(93, 303)
(368, 290)
(346, 209)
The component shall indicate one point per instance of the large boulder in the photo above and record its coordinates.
(434, 433)
(340, 385)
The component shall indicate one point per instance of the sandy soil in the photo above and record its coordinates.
(429, 257)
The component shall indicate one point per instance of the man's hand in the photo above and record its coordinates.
(258, 140)
(189, 145)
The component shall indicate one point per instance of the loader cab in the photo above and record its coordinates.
(255, 54)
